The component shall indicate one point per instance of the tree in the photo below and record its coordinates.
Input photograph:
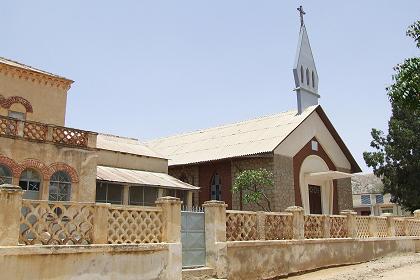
(396, 159)
(253, 184)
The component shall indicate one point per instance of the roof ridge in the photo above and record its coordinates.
(118, 136)
(148, 142)
(31, 68)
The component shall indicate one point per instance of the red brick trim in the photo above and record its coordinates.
(7, 102)
(60, 166)
(11, 164)
(297, 163)
(34, 164)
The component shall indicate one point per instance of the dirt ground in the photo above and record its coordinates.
(397, 267)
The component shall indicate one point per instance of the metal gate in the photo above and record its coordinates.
(193, 238)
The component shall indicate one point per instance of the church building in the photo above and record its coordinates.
(310, 162)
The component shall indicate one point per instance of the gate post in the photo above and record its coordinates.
(10, 207)
(171, 217)
(216, 247)
(351, 223)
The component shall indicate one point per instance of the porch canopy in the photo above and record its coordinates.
(328, 175)
(141, 178)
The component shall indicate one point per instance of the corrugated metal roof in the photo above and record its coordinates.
(138, 177)
(29, 68)
(255, 136)
(125, 145)
(366, 183)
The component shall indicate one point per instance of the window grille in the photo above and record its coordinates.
(60, 187)
(5, 175)
(379, 198)
(365, 198)
(30, 182)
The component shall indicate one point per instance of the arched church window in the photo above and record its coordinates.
(5, 175)
(307, 76)
(216, 187)
(30, 182)
(60, 187)
(313, 79)
(301, 74)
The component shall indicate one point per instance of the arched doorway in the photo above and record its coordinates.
(316, 194)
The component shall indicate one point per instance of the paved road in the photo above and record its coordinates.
(398, 267)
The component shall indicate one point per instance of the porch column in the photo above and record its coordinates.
(189, 199)
(126, 190)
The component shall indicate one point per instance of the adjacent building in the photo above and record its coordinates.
(369, 199)
(53, 162)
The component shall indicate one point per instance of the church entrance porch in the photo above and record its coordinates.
(315, 203)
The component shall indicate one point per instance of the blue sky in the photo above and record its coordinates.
(148, 69)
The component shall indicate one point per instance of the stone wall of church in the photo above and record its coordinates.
(283, 182)
(344, 192)
(188, 174)
(241, 164)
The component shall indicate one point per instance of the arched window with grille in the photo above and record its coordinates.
(5, 175)
(30, 182)
(60, 187)
(216, 187)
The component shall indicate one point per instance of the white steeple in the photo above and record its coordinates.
(304, 70)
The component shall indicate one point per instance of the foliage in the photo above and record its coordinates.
(397, 157)
(253, 185)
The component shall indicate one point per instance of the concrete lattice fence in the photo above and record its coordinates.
(293, 224)
(40, 222)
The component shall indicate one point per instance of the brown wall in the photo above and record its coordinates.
(297, 163)
(206, 172)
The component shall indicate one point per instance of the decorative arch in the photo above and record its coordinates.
(60, 166)
(34, 164)
(7, 102)
(11, 164)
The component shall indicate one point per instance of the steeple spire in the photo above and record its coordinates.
(304, 70)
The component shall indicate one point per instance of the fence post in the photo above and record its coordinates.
(100, 223)
(171, 233)
(216, 247)
(10, 208)
(261, 225)
(326, 227)
(373, 229)
(298, 221)
(417, 214)
(351, 223)
(390, 224)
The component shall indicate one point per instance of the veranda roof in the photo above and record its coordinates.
(141, 178)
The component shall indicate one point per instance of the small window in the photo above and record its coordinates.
(109, 193)
(313, 79)
(307, 77)
(379, 198)
(60, 187)
(301, 75)
(314, 145)
(30, 182)
(5, 175)
(387, 210)
(365, 198)
(17, 115)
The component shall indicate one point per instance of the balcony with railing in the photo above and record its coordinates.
(41, 132)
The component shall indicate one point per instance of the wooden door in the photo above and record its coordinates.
(315, 203)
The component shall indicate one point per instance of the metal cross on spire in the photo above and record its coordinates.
(301, 14)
